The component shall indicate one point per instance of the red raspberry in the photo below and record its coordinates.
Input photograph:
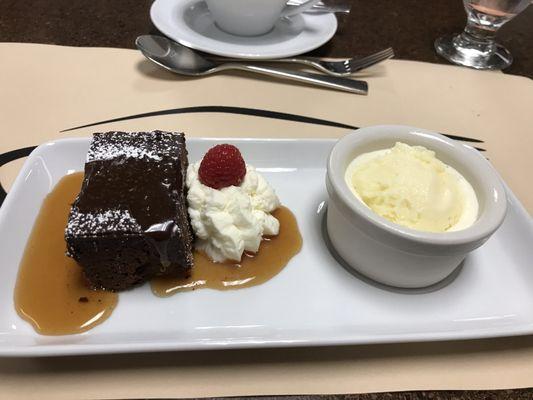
(222, 166)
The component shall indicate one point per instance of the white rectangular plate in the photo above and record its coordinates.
(313, 301)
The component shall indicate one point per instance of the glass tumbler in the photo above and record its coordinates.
(476, 47)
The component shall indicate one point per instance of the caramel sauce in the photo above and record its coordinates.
(254, 269)
(51, 293)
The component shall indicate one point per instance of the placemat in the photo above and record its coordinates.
(48, 89)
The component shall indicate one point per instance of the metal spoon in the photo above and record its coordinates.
(185, 61)
(323, 8)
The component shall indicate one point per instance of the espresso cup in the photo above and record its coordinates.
(252, 17)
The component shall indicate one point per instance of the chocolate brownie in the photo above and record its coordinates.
(129, 222)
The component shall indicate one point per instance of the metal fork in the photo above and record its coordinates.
(338, 67)
(342, 67)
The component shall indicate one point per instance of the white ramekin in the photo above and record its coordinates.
(396, 255)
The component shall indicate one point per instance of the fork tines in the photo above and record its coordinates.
(358, 64)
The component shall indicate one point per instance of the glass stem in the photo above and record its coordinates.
(479, 33)
(482, 37)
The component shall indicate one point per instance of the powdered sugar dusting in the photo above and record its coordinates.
(152, 146)
(92, 224)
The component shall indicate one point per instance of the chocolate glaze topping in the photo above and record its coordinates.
(129, 223)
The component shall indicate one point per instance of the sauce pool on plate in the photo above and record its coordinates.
(254, 269)
(51, 292)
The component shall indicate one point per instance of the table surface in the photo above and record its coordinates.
(409, 26)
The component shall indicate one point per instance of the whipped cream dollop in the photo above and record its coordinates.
(232, 220)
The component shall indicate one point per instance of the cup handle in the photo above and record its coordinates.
(289, 11)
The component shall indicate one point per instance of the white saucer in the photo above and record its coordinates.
(189, 23)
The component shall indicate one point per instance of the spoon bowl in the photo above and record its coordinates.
(173, 56)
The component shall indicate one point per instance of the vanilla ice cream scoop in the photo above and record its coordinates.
(409, 186)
